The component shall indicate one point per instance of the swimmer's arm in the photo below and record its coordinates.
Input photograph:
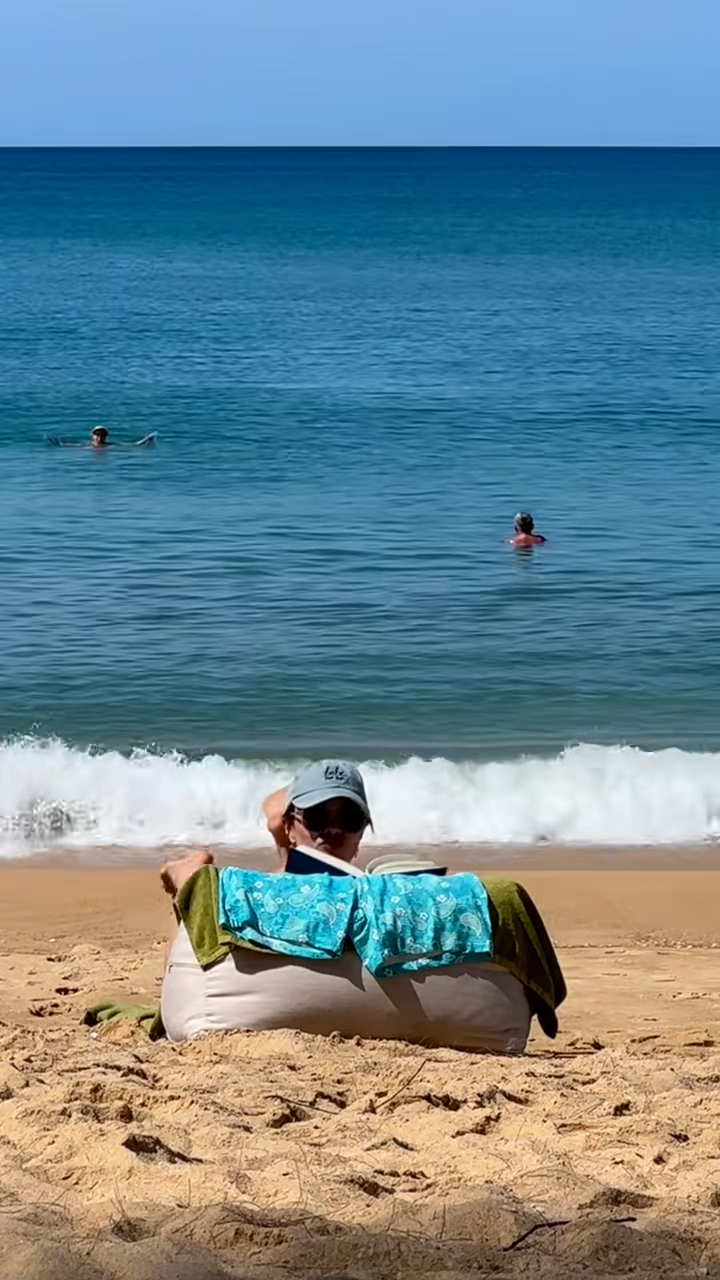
(274, 807)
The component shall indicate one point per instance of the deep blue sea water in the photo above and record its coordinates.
(360, 365)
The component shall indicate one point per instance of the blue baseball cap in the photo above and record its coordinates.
(329, 780)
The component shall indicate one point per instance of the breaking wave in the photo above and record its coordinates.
(56, 796)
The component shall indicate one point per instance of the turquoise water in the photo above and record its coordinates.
(360, 365)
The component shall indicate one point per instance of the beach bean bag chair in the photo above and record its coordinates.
(222, 974)
(468, 1006)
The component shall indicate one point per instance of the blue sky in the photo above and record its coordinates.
(472, 72)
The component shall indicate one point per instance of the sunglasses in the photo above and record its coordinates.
(342, 814)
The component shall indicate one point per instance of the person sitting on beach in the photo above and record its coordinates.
(325, 807)
(330, 970)
(524, 535)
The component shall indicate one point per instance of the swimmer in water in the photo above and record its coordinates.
(524, 535)
(100, 439)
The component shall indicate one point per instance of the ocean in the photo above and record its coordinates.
(360, 365)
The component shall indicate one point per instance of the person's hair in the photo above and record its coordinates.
(524, 523)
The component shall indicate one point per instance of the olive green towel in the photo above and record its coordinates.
(109, 1011)
(522, 946)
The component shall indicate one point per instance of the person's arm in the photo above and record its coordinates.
(274, 807)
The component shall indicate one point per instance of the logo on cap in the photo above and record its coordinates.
(335, 773)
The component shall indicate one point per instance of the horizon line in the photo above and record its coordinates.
(359, 146)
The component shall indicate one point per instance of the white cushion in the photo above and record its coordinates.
(470, 1006)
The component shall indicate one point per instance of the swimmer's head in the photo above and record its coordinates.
(99, 436)
(524, 523)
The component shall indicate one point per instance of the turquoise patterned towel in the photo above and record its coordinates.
(396, 923)
(403, 924)
(305, 916)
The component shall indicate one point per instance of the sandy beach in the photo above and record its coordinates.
(280, 1154)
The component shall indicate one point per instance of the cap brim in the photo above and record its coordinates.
(320, 794)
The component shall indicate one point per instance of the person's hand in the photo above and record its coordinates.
(175, 874)
(274, 808)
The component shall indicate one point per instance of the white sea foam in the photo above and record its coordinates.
(54, 796)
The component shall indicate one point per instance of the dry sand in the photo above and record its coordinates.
(283, 1155)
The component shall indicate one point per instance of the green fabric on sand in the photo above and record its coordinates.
(148, 1018)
